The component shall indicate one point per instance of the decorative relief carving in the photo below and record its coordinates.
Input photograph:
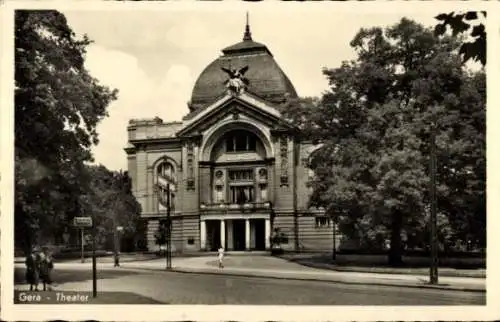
(190, 166)
(237, 82)
(263, 174)
(284, 160)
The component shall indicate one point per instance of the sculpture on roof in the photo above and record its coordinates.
(237, 81)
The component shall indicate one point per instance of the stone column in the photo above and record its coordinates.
(223, 233)
(150, 207)
(247, 234)
(268, 233)
(203, 235)
(230, 230)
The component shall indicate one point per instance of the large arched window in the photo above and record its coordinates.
(165, 179)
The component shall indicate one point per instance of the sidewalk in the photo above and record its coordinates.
(272, 267)
(260, 266)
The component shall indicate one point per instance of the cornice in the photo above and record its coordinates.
(267, 161)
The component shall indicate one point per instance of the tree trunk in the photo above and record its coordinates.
(395, 255)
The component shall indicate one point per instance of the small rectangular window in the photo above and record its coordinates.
(263, 192)
(322, 222)
(244, 175)
(190, 241)
(219, 194)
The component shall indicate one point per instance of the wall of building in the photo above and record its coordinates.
(185, 229)
(152, 228)
(313, 237)
(285, 223)
(172, 155)
(283, 193)
(304, 174)
(141, 186)
(142, 167)
(190, 196)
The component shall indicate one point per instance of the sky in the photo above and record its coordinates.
(154, 57)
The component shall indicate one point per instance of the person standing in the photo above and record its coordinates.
(46, 267)
(32, 270)
(221, 257)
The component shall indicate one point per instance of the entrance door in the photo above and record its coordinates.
(213, 235)
(260, 234)
(239, 234)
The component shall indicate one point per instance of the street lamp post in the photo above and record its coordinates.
(433, 278)
(94, 265)
(272, 216)
(82, 246)
(169, 231)
(334, 234)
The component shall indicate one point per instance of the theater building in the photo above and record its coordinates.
(234, 167)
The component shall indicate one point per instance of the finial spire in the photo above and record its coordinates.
(248, 34)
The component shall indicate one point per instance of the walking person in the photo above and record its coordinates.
(32, 270)
(117, 259)
(46, 267)
(221, 257)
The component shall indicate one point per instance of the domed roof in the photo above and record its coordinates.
(265, 78)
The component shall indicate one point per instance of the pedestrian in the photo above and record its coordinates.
(46, 267)
(117, 259)
(32, 270)
(221, 257)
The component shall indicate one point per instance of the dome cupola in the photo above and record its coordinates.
(263, 76)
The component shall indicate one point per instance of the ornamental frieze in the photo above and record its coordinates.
(190, 166)
(284, 160)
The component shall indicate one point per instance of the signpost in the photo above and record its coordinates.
(83, 245)
(82, 223)
(94, 266)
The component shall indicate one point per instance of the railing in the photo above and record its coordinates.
(235, 206)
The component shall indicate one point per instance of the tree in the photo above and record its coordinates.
(110, 201)
(374, 123)
(57, 107)
(461, 23)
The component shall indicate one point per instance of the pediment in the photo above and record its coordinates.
(234, 107)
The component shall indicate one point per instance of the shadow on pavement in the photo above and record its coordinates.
(60, 276)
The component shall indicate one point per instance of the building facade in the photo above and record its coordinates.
(234, 169)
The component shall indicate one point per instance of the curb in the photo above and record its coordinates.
(348, 270)
(316, 279)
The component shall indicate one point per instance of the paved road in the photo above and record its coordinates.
(186, 288)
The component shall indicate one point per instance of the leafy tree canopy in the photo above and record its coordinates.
(58, 105)
(374, 124)
(461, 23)
(110, 201)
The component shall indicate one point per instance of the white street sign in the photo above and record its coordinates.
(82, 222)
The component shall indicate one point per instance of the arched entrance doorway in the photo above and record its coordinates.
(235, 211)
